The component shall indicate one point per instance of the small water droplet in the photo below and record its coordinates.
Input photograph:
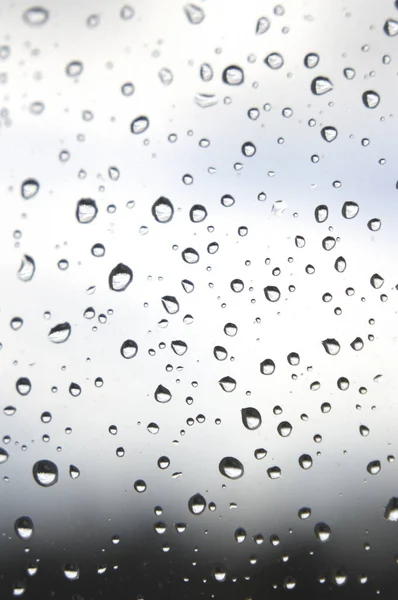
(206, 72)
(274, 60)
(322, 532)
(120, 277)
(74, 472)
(371, 99)
(391, 510)
(267, 367)
(86, 210)
(284, 429)
(329, 133)
(321, 213)
(331, 346)
(321, 85)
(165, 76)
(139, 125)
(163, 210)
(35, 16)
(27, 268)
(233, 75)
(311, 60)
(162, 394)
(71, 572)
(262, 25)
(29, 188)
(74, 68)
(195, 14)
(272, 293)
(374, 467)
(305, 461)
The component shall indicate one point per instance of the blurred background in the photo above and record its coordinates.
(198, 307)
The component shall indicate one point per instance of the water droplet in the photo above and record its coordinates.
(349, 73)
(371, 99)
(304, 513)
(321, 85)
(227, 200)
(140, 486)
(272, 293)
(374, 224)
(187, 285)
(240, 535)
(170, 304)
(206, 72)
(198, 213)
(274, 472)
(45, 473)
(357, 344)
(350, 210)
(163, 210)
(197, 504)
(23, 386)
(129, 349)
(322, 532)
(75, 389)
(71, 572)
(274, 60)
(376, 281)
(233, 75)
(328, 243)
(237, 285)
(340, 577)
(179, 347)
(251, 418)
(231, 467)
(3, 456)
(206, 100)
(139, 125)
(262, 26)
(162, 394)
(311, 60)
(29, 188)
(391, 510)
(321, 213)
(284, 429)
(120, 277)
(220, 352)
(340, 264)
(165, 76)
(27, 268)
(331, 346)
(267, 367)
(391, 27)
(60, 333)
(74, 68)
(293, 359)
(194, 13)
(128, 89)
(35, 16)
(329, 133)
(230, 329)
(219, 573)
(228, 384)
(374, 467)
(279, 207)
(190, 256)
(248, 149)
(86, 210)
(305, 461)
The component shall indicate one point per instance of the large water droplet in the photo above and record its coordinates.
(371, 99)
(374, 467)
(331, 346)
(284, 429)
(350, 210)
(120, 277)
(228, 384)
(162, 394)
(376, 281)
(170, 304)
(219, 573)
(129, 349)
(190, 256)
(262, 26)
(139, 125)
(267, 367)
(179, 347)
(35, 16)
(251, 418)
(197, 504)
(231, 467)
(233, 75)
(45, 473)
(198, 213)
(329, 133)
(163, 210)
(27, 268)
(321, 85)
(29, 188)
(305, 461)
(23, 386)
(272, 293)
(24, 528)
(60, 333)
(391, 510)
(274, 60)
(194, 13)
(391, 27)
(322, 532)
(86, 210)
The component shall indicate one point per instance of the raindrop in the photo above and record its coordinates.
(391, 510)
(340, 264)
(350, 210)
(391, 27)
(267, 367)
(129, 349)
(3, 456)
(197, 504)
(228, 384)
(248, 149)
(205, 100)
(190, 256)
(60, 333)
(29, 188)
(349, 73)
(86, 210)
(71, 572)
(284, 429)
(274, 60)
(322, 532)
(188, 286)
(240, 535)
(163, 210)
(272, 293)
(262, 26)
(219, 573)
(195, 14)
(357, 344)
(227, 200)
(165, 76)
(35, 16)
(162, 394)
(233, 75)
(98, 250)
(231, 467)
(23, 386)
(274, 472)
(230, 329)
(45, 473)
(74, 68)
(371, 99)
(251, 418)
(374, 467)
(75, 389)
(374, 224)
(293, 359)
(304, 513)
(376, 281)
(170, 304)
(311, 60)
(329, 133)
(321, 213)
(331, 346)
(179, 347)
(321, 85)
(24, 528)
(139, 125)
(279, 207)
(74, 472)
(27, 268)
(237, 285)
(305, 461)
(220, 352)
(198, 213)
(140, 486)
(206, 72)
(120, 277)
